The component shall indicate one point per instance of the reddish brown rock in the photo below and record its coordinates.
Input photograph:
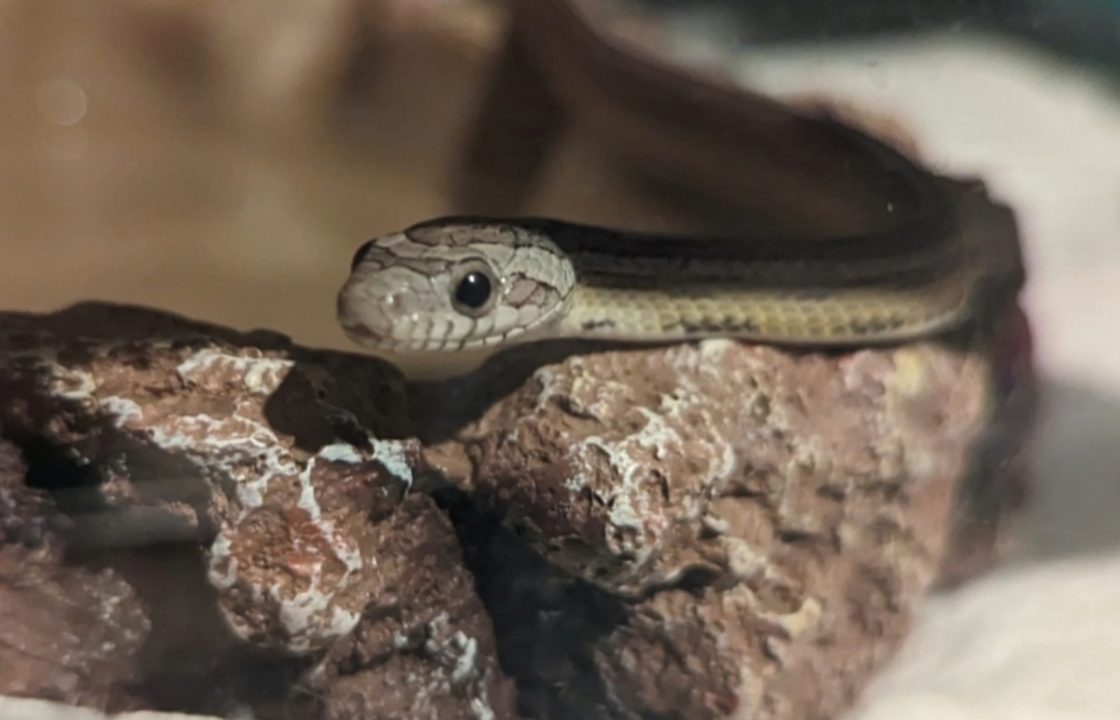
(707, 530)
(275, 463)
(633, 470)
(66, 633)
(422, 651)
(759, 524)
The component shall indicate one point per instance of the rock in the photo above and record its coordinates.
(424, 646)
(701, 530)
(637, 470)
(150, 429)
(65, 632)
(758, 525)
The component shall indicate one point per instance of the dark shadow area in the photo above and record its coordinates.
(331, 397)
(547, 623)
(191, 661)
(50, 467)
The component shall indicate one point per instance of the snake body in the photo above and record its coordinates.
(441, 295)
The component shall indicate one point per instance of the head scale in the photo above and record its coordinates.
(454, 284)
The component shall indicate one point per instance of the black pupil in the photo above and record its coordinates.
(473, 290)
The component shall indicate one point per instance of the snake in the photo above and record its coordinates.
(440, 296)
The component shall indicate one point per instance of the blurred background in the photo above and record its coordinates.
(224, 159)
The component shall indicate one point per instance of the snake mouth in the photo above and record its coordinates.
(361, 334)
(362, 321)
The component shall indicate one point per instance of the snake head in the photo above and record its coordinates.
(453, 285)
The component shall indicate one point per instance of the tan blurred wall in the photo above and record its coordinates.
(224, 160)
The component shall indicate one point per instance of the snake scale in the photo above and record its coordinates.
(440, 296)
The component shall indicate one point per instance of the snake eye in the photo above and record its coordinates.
(474, 290)
(360, 254)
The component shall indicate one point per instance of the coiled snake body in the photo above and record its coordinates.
(440, 296)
